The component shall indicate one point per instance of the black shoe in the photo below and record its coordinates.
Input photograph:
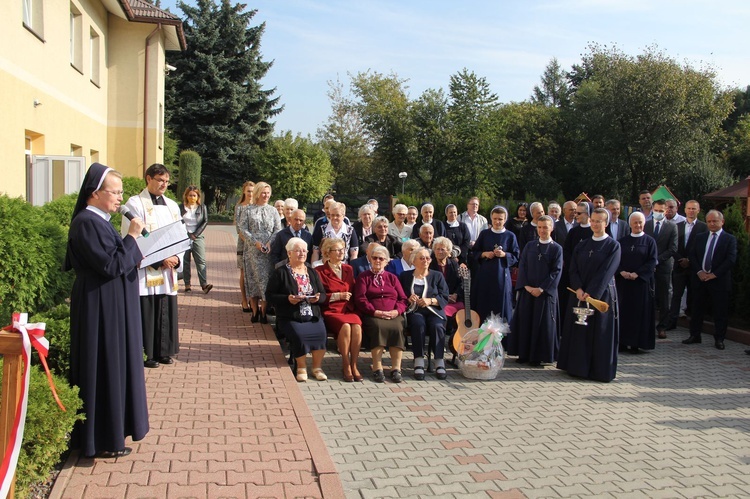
(441, 373)
(150, 363)
(207, 288)
(661, 334)
(378, 376)
(719, 344)
(691, 340)
(396, 376)
(255, 317)
(519, 360)
(747, 352)
(247, 310)
(634, 350)
(264, 319)
(109, 454)
(166, 360)
(419, 373)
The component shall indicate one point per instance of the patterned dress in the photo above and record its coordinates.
(258, 223)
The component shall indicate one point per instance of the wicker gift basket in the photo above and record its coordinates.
(481, 355)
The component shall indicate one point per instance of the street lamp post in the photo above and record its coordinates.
(402, 176)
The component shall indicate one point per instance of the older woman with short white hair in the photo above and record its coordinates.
(399, 228)
(381, 302)
(363, 227)
(398, 265)
(380, 236)
(296, 292)
(428, 295)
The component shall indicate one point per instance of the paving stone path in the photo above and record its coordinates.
(674, 423)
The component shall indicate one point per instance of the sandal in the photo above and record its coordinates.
(319, 374)
(378, 376)
(396, 375)
(419, 373)
(441, 373)
(302, 375)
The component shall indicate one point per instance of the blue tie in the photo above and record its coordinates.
(656, 230)
(710, 253)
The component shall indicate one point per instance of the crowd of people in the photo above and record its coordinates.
(386, 279)
(373, 282)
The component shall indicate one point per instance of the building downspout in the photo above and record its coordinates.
(145, 97)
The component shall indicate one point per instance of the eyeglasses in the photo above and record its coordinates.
(114, 193)
(378, 258)
(338, 250)
(424, 258)
(581, 213)
(160, 181)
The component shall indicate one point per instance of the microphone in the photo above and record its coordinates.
(124, 211)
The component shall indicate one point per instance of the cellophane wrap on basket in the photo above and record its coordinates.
(482, 355)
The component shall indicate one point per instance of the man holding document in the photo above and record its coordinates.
(157, 276)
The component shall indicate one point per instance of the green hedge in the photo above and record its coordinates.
(32, 249)
(47, 433)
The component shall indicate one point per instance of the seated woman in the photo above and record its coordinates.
(398, 265)
(296, 292)
(441, 262)
(380, 236)
(339, 313)
(428, 296)
(381, 302)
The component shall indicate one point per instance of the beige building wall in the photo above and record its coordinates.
(43, 94)
(62, 102)
(131, 85)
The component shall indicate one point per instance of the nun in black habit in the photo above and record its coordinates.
(535, 326)
(591, 351)
(106, 345)
(635, 282)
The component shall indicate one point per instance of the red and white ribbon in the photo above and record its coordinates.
(31, 334)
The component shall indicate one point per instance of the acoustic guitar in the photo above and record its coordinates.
(466, 319)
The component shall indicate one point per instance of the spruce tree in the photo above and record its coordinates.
(216, 105)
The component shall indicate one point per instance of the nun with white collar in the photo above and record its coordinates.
(494, 253)
(590, 351)
(106, 346)
(635, 281)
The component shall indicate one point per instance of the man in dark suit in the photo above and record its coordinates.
(686, 234)
(297, 228)
(617, 228)
(361, 264)
(711, 261)
(566, 222)
(665, 233)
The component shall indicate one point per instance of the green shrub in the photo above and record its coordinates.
(47, 433)
(57, 331)
(190, 171)
(32, 250)
(61, 209)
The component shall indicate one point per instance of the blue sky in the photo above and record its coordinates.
(507, 42)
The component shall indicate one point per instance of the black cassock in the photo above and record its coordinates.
(575, 236)
(591, 351)
(106, 344)
(535, 327)
(636, 297)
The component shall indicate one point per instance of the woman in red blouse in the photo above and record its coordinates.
(339, 313)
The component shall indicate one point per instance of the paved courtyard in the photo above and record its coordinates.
(228, 420)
